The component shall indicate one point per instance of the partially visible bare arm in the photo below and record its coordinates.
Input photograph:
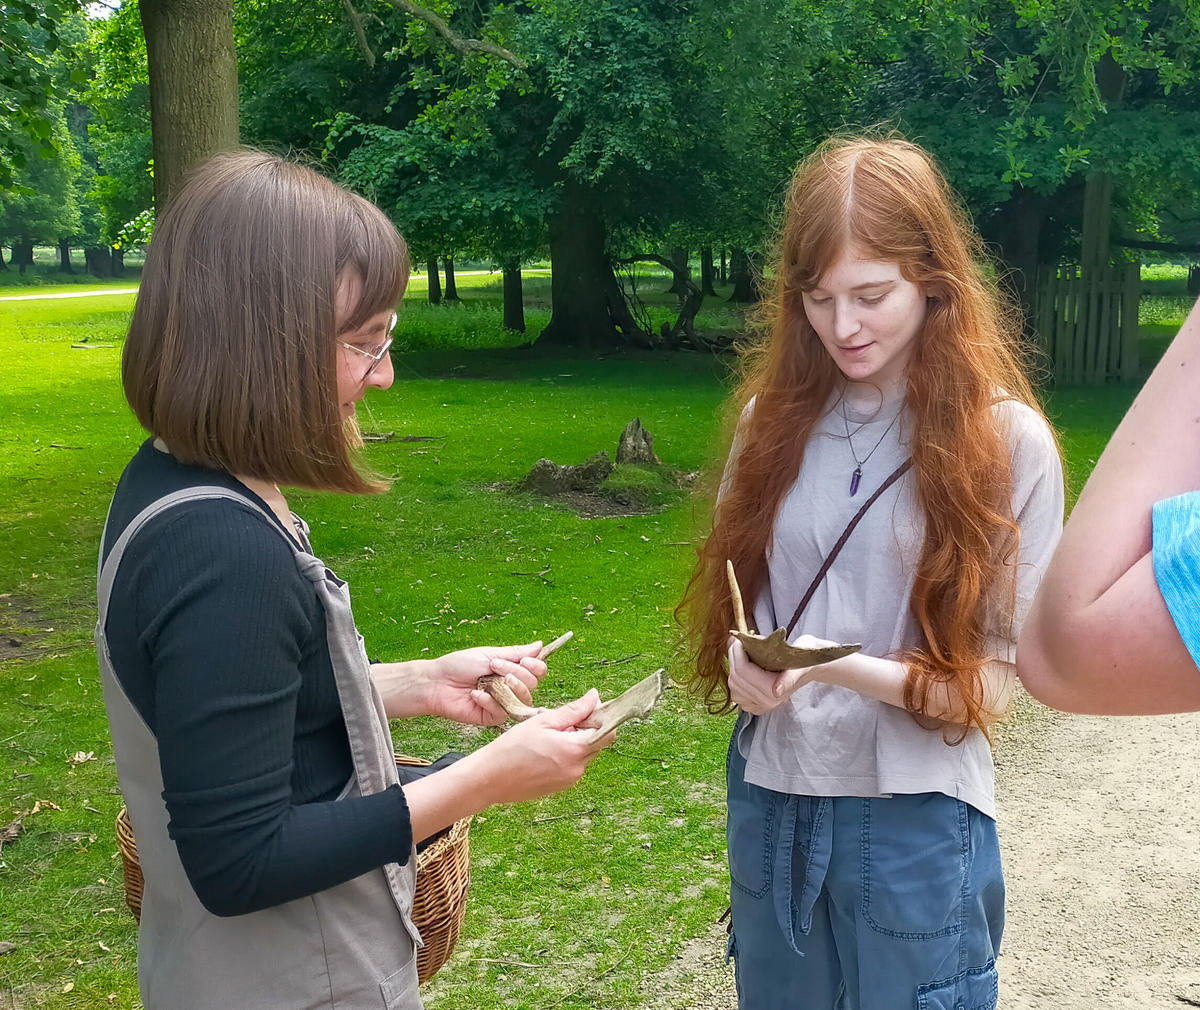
(1099, 638)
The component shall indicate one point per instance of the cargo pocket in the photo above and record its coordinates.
(914, 860)
(974, 989)
(400, 991)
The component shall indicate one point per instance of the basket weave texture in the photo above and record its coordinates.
(439, 903)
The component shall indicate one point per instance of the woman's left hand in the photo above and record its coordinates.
(453, 683)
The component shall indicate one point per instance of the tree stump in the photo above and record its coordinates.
(549, 478)
(636, 444)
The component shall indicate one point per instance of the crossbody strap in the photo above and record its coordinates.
(894, 476)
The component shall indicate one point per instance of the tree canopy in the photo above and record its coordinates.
(599, 130)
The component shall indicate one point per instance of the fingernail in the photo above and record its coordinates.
(495, 665)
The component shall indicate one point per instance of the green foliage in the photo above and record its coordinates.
(135, 234)
(43, 207)
(118, 134)
(1043, 91)
(30, 37)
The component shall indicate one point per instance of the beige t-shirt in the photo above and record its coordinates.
(832, 741)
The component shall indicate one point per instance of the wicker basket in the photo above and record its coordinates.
(439, 904)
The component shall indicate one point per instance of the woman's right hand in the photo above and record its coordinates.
(543, 755)
(547, 753)
(758, 691)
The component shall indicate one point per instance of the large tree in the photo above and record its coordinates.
(193, 85)
(30, 81)
(42, 207)
(1057, 120)
(634, 125)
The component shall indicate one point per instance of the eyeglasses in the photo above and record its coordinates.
(376, 355)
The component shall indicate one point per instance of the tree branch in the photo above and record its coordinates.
(359, 34)
(1130, 243)
(689, 304)
(456, 42)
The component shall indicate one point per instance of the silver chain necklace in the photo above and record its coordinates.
(860, 463)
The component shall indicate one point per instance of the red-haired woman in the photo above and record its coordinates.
(862, 845)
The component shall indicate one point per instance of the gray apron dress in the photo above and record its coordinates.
(349, 947)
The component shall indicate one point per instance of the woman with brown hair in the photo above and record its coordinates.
(887, 399)
(249, 728)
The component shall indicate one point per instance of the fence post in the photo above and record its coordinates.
(1131, 289)
(1079, 335)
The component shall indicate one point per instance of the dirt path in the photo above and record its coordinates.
(1100, 830)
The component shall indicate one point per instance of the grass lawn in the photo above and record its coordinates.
(599, 886)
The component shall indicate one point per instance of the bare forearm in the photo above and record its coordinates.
(404, 687)
(464, 788)
(1117, 655)
(884, 680)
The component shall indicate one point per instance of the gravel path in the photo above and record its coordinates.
(1100, 831)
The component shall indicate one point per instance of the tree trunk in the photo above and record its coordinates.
(1094, 239)
(451, 291)
(3, 264)
(118, 262)
(586, 304)
(22, 255)
(743, 280)
(98, 261)
(679, 265)
(435, 281)
(193, 85)
(1018, 232)
(64, 256)
(724, 274)
(706, 271)
(514, 299)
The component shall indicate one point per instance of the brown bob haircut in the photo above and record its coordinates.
(231, 353)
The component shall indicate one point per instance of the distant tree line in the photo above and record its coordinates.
(600, 133)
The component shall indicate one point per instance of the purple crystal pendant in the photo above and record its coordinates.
(854, 479)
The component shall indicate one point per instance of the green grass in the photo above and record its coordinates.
(605, 882)
(449, 565)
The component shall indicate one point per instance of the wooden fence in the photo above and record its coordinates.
(1086, 321)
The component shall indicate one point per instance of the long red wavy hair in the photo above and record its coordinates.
(884, 198)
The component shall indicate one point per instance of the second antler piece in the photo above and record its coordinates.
(634, 703)
(772, 652)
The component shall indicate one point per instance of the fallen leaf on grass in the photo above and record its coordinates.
(13, 828)
(81, 757)
(6, 947)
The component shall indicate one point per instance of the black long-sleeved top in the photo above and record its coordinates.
(220, 644)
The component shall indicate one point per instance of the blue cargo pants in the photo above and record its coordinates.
(850, 903)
